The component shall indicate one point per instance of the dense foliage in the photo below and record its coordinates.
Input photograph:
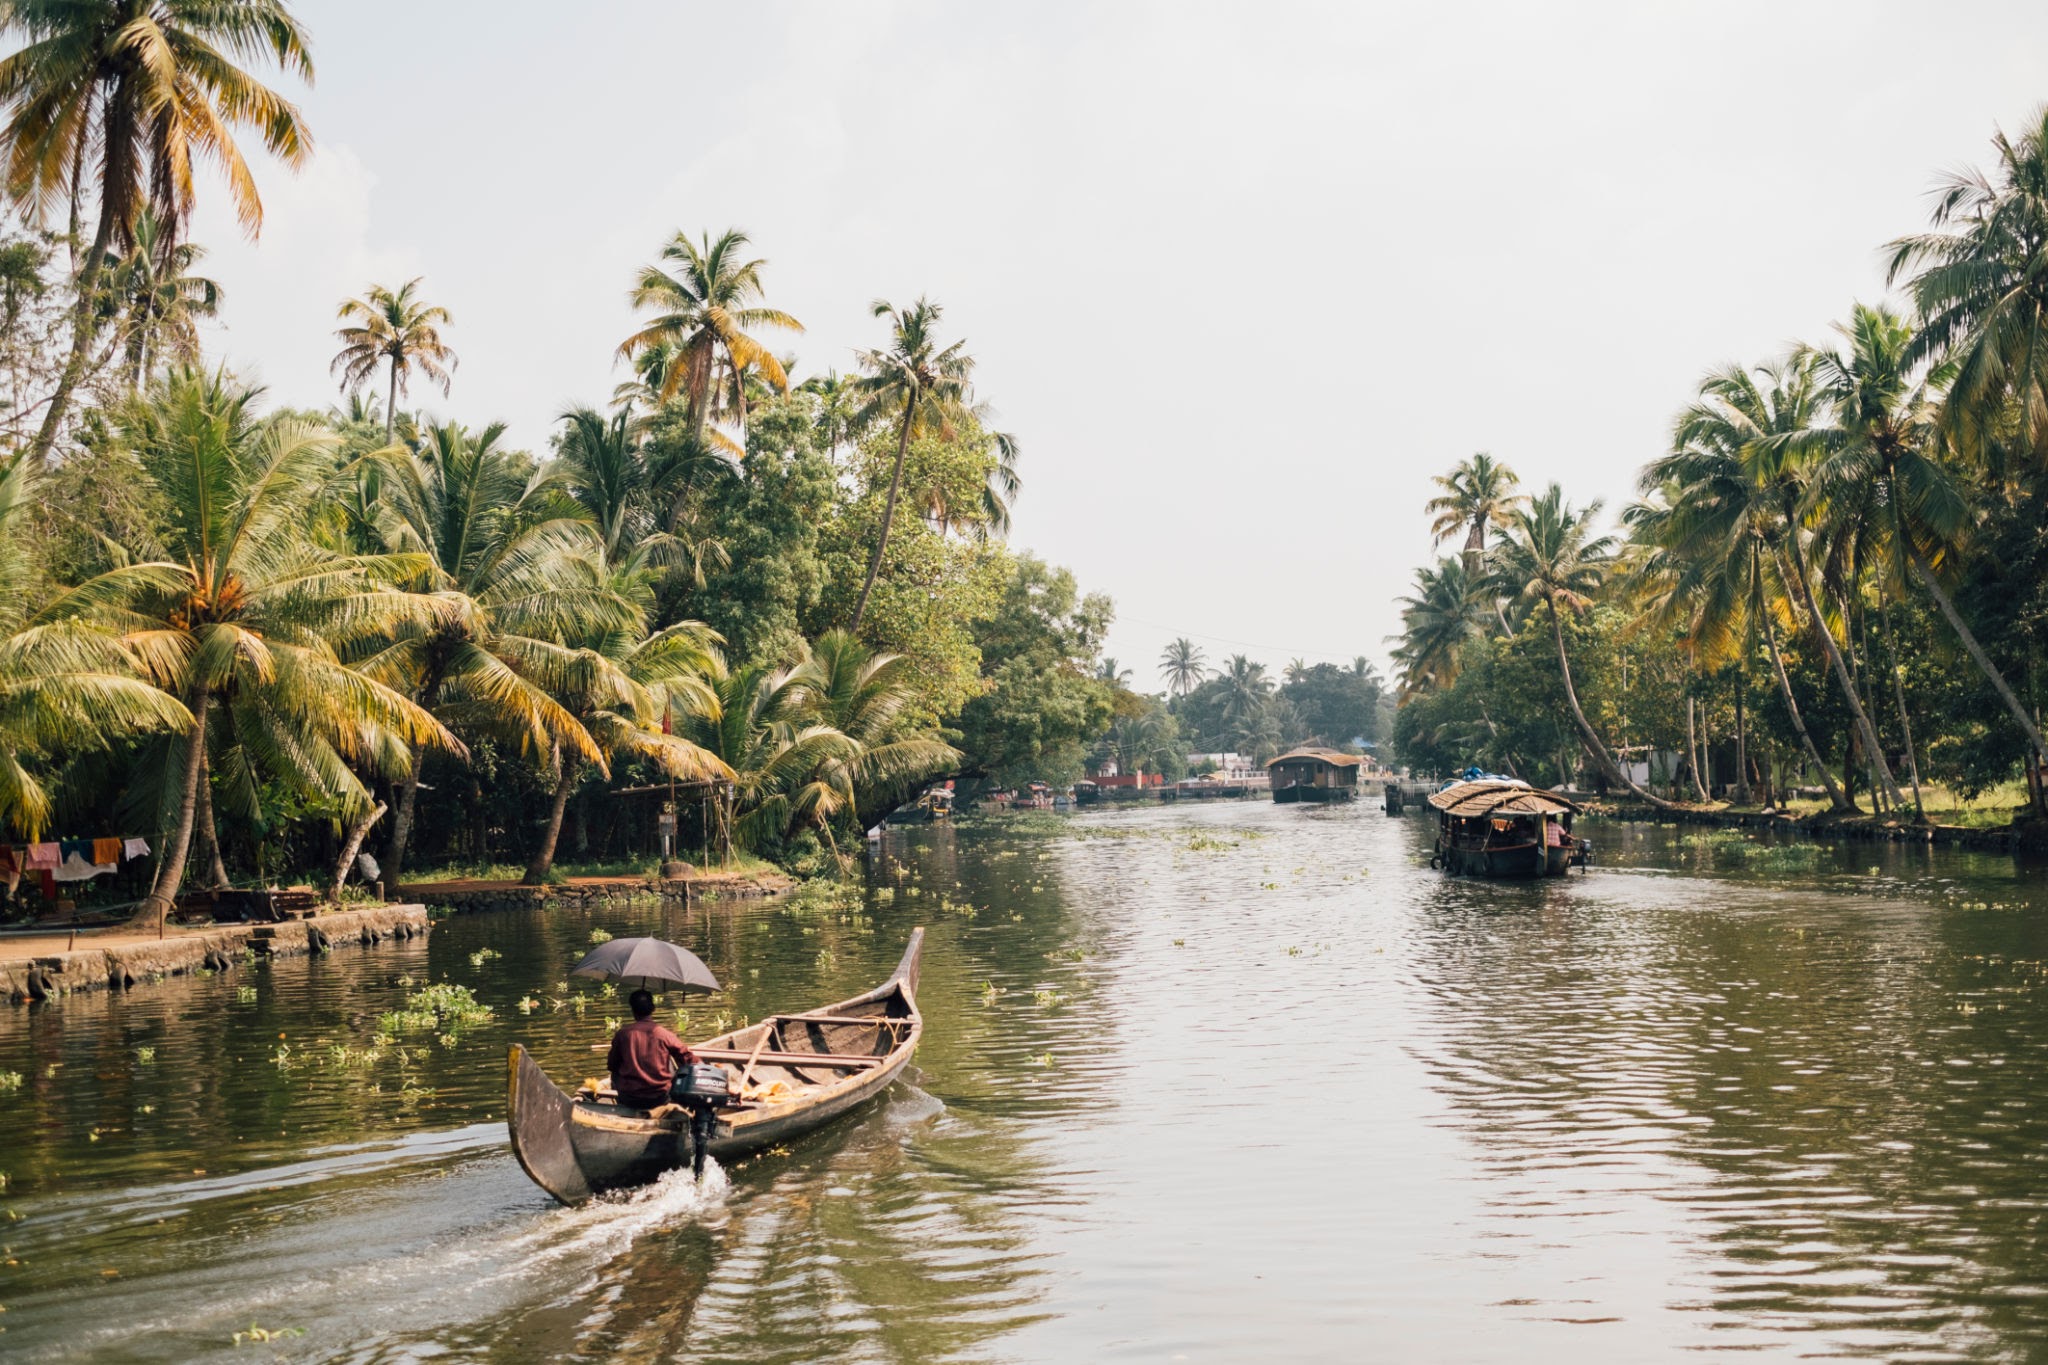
(1832, 580)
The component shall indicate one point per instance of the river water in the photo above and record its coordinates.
(1206, 1083)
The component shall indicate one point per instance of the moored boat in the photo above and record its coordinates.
(792, 1072)
(1502, 827)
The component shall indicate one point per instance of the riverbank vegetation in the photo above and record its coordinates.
(270, 639)
(1830, 586)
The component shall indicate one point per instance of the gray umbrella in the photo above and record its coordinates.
(647, 964)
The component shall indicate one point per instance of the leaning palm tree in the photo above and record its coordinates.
(1479, 493)
(1450, 610)
(1725, 524)
(1886, 435)
(505, 554)
(1977, 282)
(1181, 666)
(1551, 559)
(705, 299)
(247, 613)
(920, 386)
(142, 87)
(67, 685)
(394, 328)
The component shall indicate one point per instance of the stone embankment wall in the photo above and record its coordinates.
(222, 948)
(465, 898)
(1850, 829)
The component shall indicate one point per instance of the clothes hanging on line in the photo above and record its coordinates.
(106, 852)
(44, 857)
(135, 848)
(75, 868)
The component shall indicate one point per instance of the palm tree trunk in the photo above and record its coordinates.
(401, 823)
(81, 342)
(1692, 753)
(350, 847)
(888, 513)
(565, 786)
(1905, 721)
(1864, 728)
(391, 404)
(1977, 654)
(408, 797)
(208, 832)
(170, 873)
(1586, 733)
(1740, 793)
(1841, 803)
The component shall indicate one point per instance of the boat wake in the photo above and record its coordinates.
(610, 1224)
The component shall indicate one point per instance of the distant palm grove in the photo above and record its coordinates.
(1832, 586)
(268, 640)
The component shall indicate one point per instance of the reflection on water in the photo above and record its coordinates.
(1221, 1083)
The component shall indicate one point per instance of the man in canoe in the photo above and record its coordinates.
(644, 1056)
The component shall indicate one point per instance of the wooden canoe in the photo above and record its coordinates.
(576, 1146)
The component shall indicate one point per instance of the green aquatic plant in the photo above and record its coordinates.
(9, 1080)
(483, 955)
(444, 1007)
(600, 936)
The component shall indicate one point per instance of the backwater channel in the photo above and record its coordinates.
(1210, 1083)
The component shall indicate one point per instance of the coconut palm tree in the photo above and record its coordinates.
(1113, 673)
(506, 553)
(1550, 558)
(758, 722)
(624, 690)
(394, 328)
(999, 494)
(863, 696)
(1479, 493)
(67, 686)
(704, 297)
(918, 384)
(1450, 609)
(1886, 436)
(1979, 287)
(1727, 521)
(836, 412)
(162, 300)
(1181, 666)
(1247, 691)
(247, 613)
(141, 87)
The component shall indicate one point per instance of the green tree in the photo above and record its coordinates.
(1550, 558)
(67, 685)
(919, 386)
(505, 568)
(705, 299)
(1039, 704)
(246, 611)
(161, 299)
(392, 328)
(144, 85)
(1181, 666)
(1450, 608)
(1480, 493)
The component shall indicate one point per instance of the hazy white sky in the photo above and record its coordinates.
(1242, 277)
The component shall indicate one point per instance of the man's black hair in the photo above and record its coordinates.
(642, 1003)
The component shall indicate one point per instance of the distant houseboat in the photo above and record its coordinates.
(1498, 827)
(935, 806)
(1315, 775)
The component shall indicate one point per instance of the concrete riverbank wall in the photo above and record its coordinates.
(29, 971)
(474, 897)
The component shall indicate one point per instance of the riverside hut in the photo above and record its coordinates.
(1315, 774)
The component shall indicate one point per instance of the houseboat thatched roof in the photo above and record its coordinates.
(1336, 758)
(1495, 796)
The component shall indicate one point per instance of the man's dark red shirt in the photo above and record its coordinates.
(644, 1057)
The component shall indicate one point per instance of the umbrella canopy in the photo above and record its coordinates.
(647, 964)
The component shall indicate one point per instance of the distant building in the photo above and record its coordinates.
(1227, 767)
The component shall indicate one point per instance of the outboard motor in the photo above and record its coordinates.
(702, 1089)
